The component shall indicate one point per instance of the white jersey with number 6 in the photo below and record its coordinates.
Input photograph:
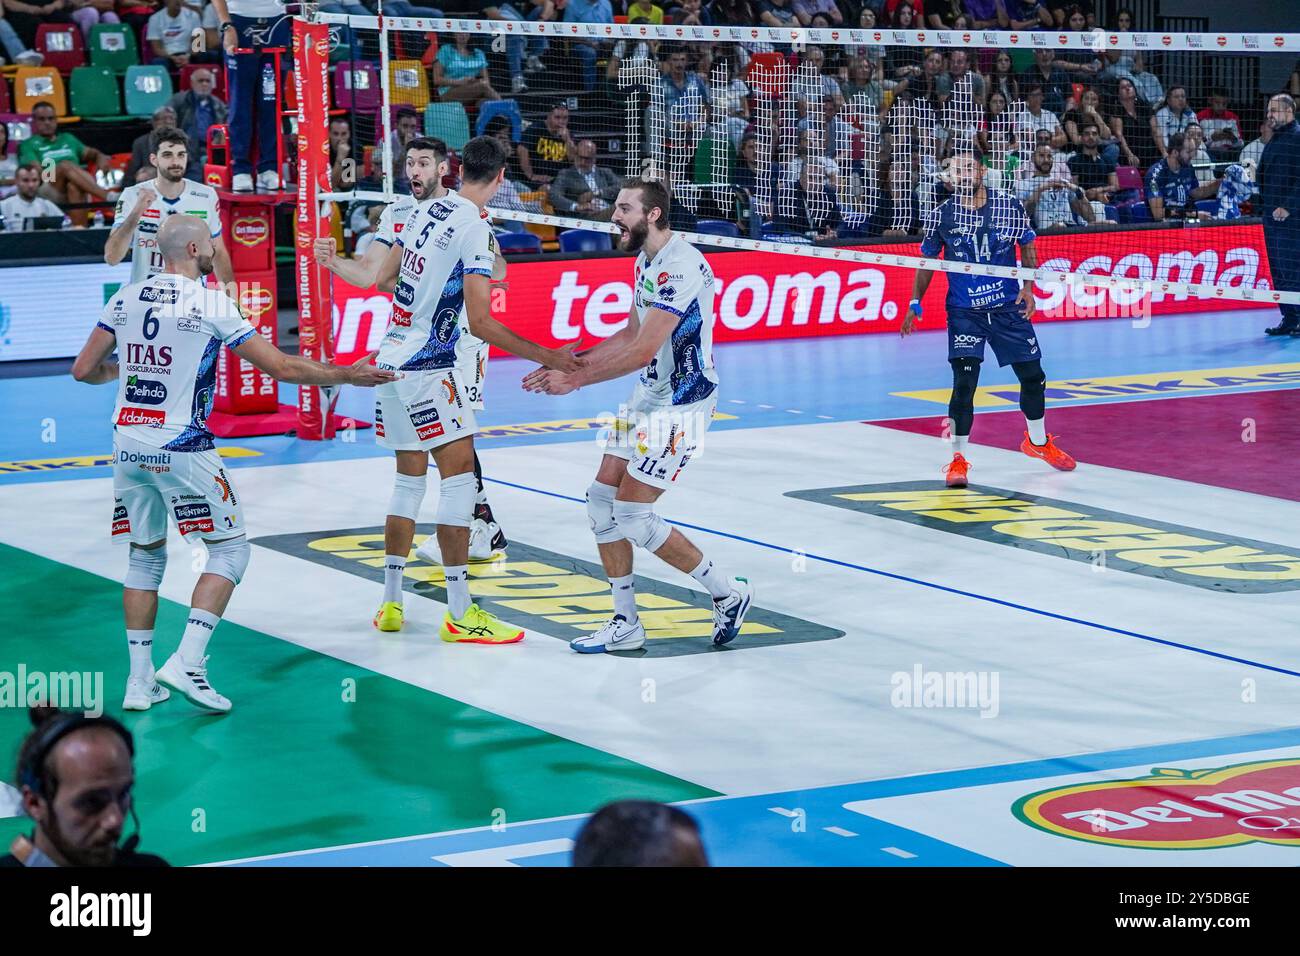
(169, 329)
(196, 199)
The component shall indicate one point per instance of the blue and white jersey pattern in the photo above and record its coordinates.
(984, 236)
(678, 280)
(169, 330)
(443, 241)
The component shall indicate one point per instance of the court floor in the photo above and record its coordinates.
(1096, 667)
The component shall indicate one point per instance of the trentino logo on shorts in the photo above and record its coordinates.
(193, 517)
(121, 521)
(1078, 532)
(1176, 809)
(561, 596)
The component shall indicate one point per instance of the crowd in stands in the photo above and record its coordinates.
(857, 144)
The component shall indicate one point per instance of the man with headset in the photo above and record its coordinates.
(76, 778)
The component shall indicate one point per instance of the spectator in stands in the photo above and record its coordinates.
(164, 117)
(1089, 111)
(959, 69)
(904, 62)
(460, 73)
(26, 203)
(1054, 81)
(686, 104)
(63, 159)
(999, 136)
(197, 110)
(1134, 125)
(1051, 199)
(818, 13)
(343, 174)
(136, 13)
(1023, 15)
(639, 833)
(1171, 183)
(587, 51)
(1036, 118)
(1279, 205)
(8, 163)
(523, 54)
(1080, 64)
(1222, 127)
(1252, 151)
(253, 25)
(865, 87)
(87, 13)
(170, 33)
(1174, 117)
(808, 205)
(1202, 164)
(747, 169)
(646, 10)
(585, 189)
(511, 194)
(733, 12)
(691, 13)
(1003, 78)
(983, 14)
(777, 13)
(24, 18)
(547, 147)
(1092, 169)
(13, 44)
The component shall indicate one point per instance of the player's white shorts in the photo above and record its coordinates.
(421, 411)
(659, 440)
(472, 369)
(190, 488)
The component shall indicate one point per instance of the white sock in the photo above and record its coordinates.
(1037, 431)
(624, 590)
(959, 443)
(394, 571)
(457, 590)
(713, 579)
(140, 646)
(198, 631)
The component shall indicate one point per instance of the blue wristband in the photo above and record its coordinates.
(915, 306)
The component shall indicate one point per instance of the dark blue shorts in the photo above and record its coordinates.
(1012, 335)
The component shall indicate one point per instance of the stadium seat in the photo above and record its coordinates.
(1139, 212)
(525, 243)
(218, 71)
(146, 88)
(507, 108)
(61, 45)
(448, 122)
(585, 240)
(1208, 206)
(356, 86)
(32, 84)
(776, 70)
(703, 172)
(95, 94)
(1112, 213)
(408, 84)
(1130, 177)
(6, 101)
(113, 45)
(717, 227)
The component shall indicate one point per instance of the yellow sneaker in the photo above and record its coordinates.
(389, 616)
(478, 627)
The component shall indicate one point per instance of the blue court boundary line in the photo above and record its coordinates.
(937, 587)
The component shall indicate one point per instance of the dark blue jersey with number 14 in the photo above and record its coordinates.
(984, 236)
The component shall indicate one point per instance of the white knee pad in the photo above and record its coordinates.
(600, 513)
(638, 523)
(228, 558)
(408, 495)
(456, 496)
(144, 570)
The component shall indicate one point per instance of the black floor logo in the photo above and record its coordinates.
(555, 594)
(1109, 539)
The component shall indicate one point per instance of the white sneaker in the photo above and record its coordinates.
(192, 682)
(268, 181)
(617, 635)
(29, 58)
(481, 534)
(142, 694)
(534, 65)
(729, 612)
(517, 85)
(242, 183)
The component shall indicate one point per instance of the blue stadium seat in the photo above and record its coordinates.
(1112, 213)
(506, 108)
(585, 240)
(717, 227)
(1139, 212)
(519, 242)
(1208, 206)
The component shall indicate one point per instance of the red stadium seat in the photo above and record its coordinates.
(6, 102)
(61, 45)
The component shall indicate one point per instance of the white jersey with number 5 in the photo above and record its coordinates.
(443, 241)
(678, 280)
(169, 330)
(196, 199)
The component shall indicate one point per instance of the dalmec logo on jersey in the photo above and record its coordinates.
(1173, 809)
(148, 417)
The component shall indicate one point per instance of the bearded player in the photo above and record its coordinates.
(144, 207)
(440, 266)
(426, 167)
(167, 332)
(982, 225)
(669, 338)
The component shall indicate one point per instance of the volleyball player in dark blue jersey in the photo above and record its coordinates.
(984, 226)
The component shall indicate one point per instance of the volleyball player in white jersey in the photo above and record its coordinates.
(441, 265)
(144, 207)
(167, 332)
(486, 539)
(669, 337)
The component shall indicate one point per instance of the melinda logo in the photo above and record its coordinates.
(1174, 809)
(1106, 539)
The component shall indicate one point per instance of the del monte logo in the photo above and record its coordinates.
(1174, 809)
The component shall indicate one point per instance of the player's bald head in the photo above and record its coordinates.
(177, 233)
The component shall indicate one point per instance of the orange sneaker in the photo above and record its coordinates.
(954, 472)
(1048, 453)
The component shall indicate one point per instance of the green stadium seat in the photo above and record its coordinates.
(146, 88)
(113, 45)
(95, 95)
(448, 122)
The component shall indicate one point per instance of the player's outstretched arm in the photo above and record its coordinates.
(300, 371)
(613, 361)
(483, 326)
(91, 365)
(364, 272)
